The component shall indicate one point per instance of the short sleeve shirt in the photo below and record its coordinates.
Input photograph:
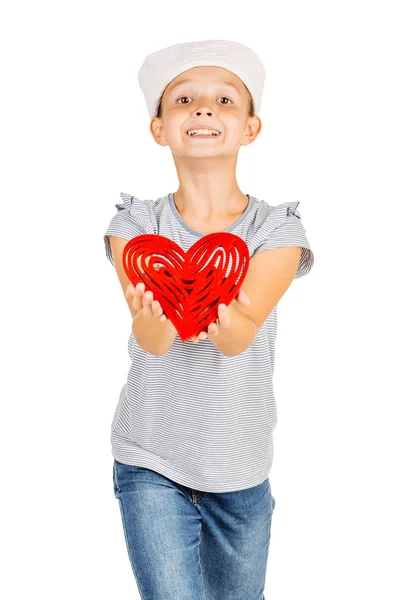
(194, 415)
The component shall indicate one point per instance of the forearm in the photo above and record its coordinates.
(153, 335)
(236, 338)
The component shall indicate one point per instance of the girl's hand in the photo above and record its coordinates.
(139, 299)
(224, 318)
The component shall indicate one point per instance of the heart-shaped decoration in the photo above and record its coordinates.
(188, 285)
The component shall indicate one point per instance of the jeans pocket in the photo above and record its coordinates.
(117, 489)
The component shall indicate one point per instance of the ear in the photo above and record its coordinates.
(157, 131)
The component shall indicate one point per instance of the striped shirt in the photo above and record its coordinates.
(194, 415)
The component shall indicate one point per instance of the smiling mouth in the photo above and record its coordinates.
(203, 132)
(203, 135)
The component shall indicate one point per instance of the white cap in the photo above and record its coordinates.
(161, 67)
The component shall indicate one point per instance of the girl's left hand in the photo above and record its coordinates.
(223, 320)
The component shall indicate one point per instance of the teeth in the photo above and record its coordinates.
(203, 132)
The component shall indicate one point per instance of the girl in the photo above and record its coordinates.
(192, 433)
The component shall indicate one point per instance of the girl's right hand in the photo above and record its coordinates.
(140, 299)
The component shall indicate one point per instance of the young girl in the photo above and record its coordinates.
(192, 432)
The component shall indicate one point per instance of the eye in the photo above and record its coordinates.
(224, 97)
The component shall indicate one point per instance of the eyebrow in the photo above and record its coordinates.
(190, 80)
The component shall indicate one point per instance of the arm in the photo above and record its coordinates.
(150, 333)
(117, 245)
(239, 336)
(269, 276)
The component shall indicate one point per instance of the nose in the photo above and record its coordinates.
(208, 112)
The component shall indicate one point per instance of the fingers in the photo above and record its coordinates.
(152, 308)
(213, 329)
(224, 316)
(142, 299)
(147, 300)
(137, 302)
(224, 320)
(201, 336)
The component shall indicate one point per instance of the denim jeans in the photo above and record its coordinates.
(184, 544)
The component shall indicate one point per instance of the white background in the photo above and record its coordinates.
(74, 134)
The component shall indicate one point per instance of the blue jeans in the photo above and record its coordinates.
(184, 544)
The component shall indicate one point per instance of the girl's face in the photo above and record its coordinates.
(205, 97)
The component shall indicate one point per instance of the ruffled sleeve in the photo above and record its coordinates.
(133, 217)
(282, 226)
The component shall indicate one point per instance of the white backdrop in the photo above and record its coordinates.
(74, 134)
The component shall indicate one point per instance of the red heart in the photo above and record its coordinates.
(188, 285)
